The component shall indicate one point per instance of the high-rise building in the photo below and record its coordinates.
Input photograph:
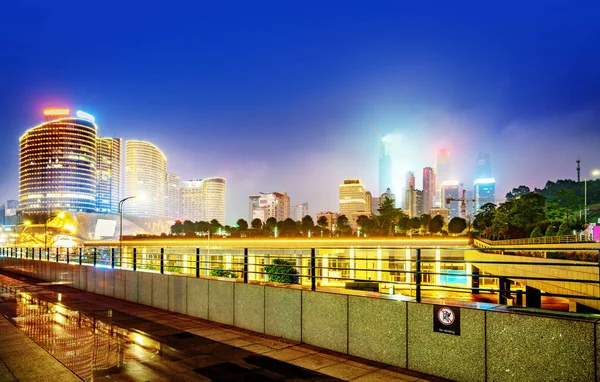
(58, 165)
(428, 189)
(485, 192)
(203, 199)
(298, 211)
(108, 175)
(451, 190)
(369, 199)
(385, 166)
(213, 199)
(388, 194)
(375, 204)
(192, 200)
(409, 186)
(484, 168)
(442, 174)
(418, 203)
(145, 177)
(2, 214)
(353, 197)
(274, 205)
(11, 207)
(173, 194)
(252, 205)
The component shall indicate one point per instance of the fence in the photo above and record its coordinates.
(415, 272)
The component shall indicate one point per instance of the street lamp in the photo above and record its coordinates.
(121, 222)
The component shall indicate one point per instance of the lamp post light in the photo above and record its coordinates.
(121, 222)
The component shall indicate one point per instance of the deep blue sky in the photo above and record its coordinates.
(279, 96)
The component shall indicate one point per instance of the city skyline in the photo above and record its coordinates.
(289, 106)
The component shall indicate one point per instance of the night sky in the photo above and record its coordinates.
(280, 96)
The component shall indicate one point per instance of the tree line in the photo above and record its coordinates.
(390, 221)
(555, 210)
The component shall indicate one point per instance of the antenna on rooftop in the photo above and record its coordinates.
(578, 170)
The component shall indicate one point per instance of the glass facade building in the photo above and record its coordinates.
(57, 167)
(213, 196)
(485, 192)
(108, 170)
(145, 177)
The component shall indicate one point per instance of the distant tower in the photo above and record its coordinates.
(428, 189)
(578, 170)
(484, 169)
(385, 166)
(442, 174)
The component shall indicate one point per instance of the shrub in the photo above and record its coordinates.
(537, 232)
(282, 271)
(220, 272)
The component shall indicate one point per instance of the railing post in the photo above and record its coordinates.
(313, 267)
(135, 259)
(95, 256)
(112, 258)
(47, 254)
(197, 262)
(40, 254)
(418, 275)
(57, 254)
(26, 253)
(80, 255)
(246, 265)
(162, 261)
(67, 255)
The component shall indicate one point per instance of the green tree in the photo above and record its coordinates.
(189, 226)
(242, 224)
(307, 224)
(551, 231)
(485, 217)
(342, 225)
(270, 224)
(282, 271)
(425, 219)
(415, 223)
(323, 222)
(215, 226)
(177, 228)
(436, 224)
(289, 227)
(457, 225)
(256, 223)
(516, 192)
(565, 229)
(403, 224)
(364, 222)
(537, 232)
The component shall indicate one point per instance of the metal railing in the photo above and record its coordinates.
(565, 239)
(417, 273)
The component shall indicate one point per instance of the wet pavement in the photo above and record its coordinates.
(105, 339)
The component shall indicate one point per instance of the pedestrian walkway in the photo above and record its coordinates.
(22, 360)
(106, 339)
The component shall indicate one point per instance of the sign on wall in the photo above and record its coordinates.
(446, 319)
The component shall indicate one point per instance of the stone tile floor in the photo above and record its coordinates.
(106, 339)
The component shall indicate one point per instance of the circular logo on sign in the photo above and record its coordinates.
(446, 316)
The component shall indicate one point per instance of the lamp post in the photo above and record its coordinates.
(121, 222)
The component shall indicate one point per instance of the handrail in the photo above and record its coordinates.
(411, 271)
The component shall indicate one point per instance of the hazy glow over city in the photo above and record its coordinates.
(282, 97)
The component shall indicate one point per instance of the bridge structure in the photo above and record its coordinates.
(379, 299)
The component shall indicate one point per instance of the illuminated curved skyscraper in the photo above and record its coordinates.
(145, 177)
(213, 197)
(57, 162)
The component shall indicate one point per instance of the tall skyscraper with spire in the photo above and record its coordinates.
(385, 166)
